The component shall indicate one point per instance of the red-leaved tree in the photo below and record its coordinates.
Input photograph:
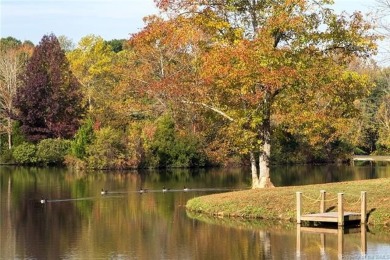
(49, 101)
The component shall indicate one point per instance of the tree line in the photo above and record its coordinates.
(204, 84)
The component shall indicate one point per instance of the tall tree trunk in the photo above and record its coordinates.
(9, 133)
(264, 158)
(265, 154)
(255, 177)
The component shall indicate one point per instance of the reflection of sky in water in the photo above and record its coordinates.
(374, 251)
(379, 249)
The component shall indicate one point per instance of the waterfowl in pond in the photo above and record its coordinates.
(165, 189)
(142, 190)
(43, 201)
(103, 192)
(186, 189)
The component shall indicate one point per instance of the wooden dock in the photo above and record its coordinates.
(372, 158)
(340, 217)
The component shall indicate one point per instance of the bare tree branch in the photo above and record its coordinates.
(211, 108)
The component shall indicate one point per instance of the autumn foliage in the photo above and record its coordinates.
(206, 82)
(49, 101)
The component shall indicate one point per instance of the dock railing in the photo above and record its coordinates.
(340, 216)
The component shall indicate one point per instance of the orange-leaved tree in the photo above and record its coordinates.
(161, 65)
(257, 63)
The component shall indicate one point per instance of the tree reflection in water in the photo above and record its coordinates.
(78, 222)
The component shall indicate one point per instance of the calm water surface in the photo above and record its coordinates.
(77, 222)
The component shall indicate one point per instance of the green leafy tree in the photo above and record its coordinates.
(10, 43)
(169, 148)
(82, 139)
(116, 44)
(49, 101)
(163, 142)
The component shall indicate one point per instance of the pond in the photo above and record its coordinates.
(77, 222)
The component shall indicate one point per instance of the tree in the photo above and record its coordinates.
(116, 44)
(82, 139)
(364, 131)
(66, 44)
(168, 148)
(92, 62)
(382, 116)
(10, 43)
(158, 58)
(161, 66)
(384, 120)
(49, 101)
(108, 150)
(288, 67)
(13, 57)
(382, 8)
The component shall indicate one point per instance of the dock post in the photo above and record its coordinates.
(340, 209)
(340, 242)
(363, 208)
(363, 240)
(322, 205)
(299, 206)
(299, 245)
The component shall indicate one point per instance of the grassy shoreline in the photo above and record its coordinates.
(280, 203)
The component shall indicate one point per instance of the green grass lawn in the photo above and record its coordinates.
(280, 203)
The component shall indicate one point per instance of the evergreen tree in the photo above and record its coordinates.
(49, 100)
(116, 44)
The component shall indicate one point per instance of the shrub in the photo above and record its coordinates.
(187, 152)
(25, 153)
(74, 163)
(6, 156)
(52, 151)
(169, 148)
(108, 150)
(163, 141)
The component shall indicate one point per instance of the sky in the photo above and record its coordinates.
(110, 19)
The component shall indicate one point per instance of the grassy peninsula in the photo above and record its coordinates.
(280, 203)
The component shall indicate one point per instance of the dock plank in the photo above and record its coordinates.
(331, 217)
